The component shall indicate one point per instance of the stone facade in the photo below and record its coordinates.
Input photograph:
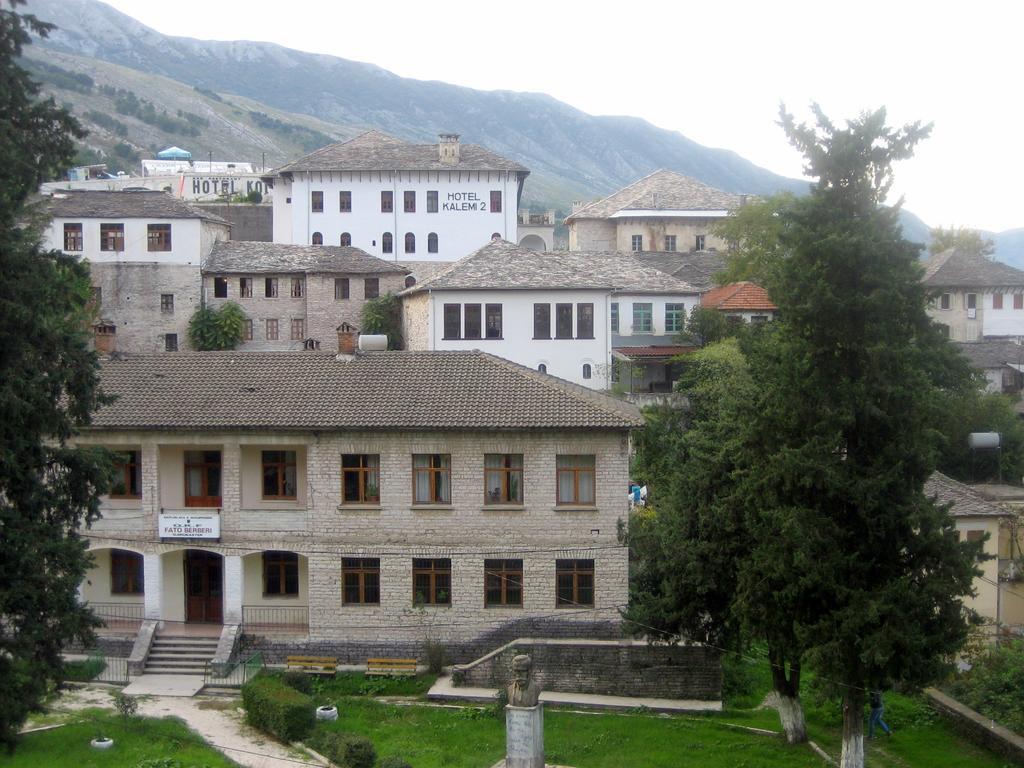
(614, 668)
(416, 321)
(250, 222)
(322, 530)
(317, 307)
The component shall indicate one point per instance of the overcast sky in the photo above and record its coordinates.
(714, 71)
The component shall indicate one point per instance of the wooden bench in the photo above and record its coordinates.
(318, 665)
(394, 667)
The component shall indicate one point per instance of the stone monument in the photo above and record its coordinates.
(524, 719)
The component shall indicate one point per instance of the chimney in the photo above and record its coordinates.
(105, 336)
(347, 335)
(448, 147)
(576, 205)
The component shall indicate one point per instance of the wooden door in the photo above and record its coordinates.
(202, 478)
(204, 586)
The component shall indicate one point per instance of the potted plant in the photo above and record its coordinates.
(327, 712)
(101, 741)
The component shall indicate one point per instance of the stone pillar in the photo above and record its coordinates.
(153, 580)
(232, 589)
(524, 736)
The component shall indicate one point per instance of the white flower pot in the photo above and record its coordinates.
(326, 713)
(101, 743)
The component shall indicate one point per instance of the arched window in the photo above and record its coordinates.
(386, 241)
(410, 281)
(318, 238)
(542, 368)
(496, 236)
(410, 242)
(586, 370)
(346, 238)
(432, 242)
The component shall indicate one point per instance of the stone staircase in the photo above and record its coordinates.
(172, 655)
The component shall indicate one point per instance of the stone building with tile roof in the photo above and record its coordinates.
(974, 296)
(664, 211)
(563, 312)
(355, 506)
(978, 512)
(297, 297)
(398, 200)
(144, 251)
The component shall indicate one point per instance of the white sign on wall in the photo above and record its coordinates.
(189, 526)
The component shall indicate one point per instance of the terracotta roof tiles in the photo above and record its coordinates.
(738, 297)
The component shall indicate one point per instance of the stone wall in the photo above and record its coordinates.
(592, 235)
(248, 222)
(416, 320)
(978, 728)
(617, 668)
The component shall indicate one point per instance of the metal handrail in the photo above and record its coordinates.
(235, 675)
(119, 615)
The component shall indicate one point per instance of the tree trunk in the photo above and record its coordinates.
(791, 714)
(853, 729)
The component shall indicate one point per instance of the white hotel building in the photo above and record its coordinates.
(396, 200)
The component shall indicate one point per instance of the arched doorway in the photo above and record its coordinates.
(204, 586)
(533, 243)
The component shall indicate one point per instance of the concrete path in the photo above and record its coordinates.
(444, 690)
(165, 685)
(216, 719)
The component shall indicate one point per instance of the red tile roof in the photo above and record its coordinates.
(667, 350)
(743, 296)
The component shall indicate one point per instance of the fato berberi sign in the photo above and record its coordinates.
(189, 526)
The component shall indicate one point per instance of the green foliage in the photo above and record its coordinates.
(436, 655)
(347, 750)
(971, 410)
(358, 684)
(754, 230)
(104, 120)
(60, 77)
(213, 329)
(300, 681)
(48, 390)
(126, 706)
(962, 238)
(277, 709)
(208, 93)
(393, 761)
(307, 138)
(707, 326)
(993, 686)
(85, 670)
(127, 103)
(254, 197)
(384, 315)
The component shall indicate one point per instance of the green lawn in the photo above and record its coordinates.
(141, 743)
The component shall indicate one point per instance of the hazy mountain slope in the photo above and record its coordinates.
(572, 154)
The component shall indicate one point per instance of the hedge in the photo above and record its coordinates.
(277, 709)
(345, 749)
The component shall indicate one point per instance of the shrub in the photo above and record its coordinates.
(345, 749)
(993, 686)
(84, 671)
(393, 762)
(277, 709)
(436, 656)
(126, 705)
(300, 681)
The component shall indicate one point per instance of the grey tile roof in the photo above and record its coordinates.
(421, 270)
(662, 190)
(103, 204)
(993, 353)
(501, 265)
(965, 501)
(469, 390)
(698, 268)
(376, 151)
(251, 257)
(955, 268)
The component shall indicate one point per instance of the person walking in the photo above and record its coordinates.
(877, 710)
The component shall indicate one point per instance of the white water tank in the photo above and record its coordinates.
(977, 440)
(373, 342)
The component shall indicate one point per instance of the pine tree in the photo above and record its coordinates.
(47, 390)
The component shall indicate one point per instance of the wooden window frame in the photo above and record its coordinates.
(204, 464)
(363, 471)
(298, 288)
(588, 370)
(170, 342)
(409, 201)
(316, 201)
(74, 237)
(343, 284)
(271, 323)
(506, 472)
(636, 243)
(432, 242)
(575, 470)
(997, 301)
(281, 561)
(130, 471)
(670, 243)
(444, 467)
(220, 287)
(371, 287)
(345, 241)
(1018, 301)
(387, 201)
(271, 290)
(167, 303)
(945, 301)
(432, 568)
(280, 468)
(361, 568)
(542, 321)
(614, 316)
(496, 201)
(584, 323)
(387, 243)
(576, 571)
(298, 329)
(492, 330)
(127, 573)
(158, 237)
(112, 237)
(563, 312)
(317, 238)
(499, 576)
(700, 242)
(247, 330)
(245, 287)
(345, 201)
(432, 198)
(410, 242)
